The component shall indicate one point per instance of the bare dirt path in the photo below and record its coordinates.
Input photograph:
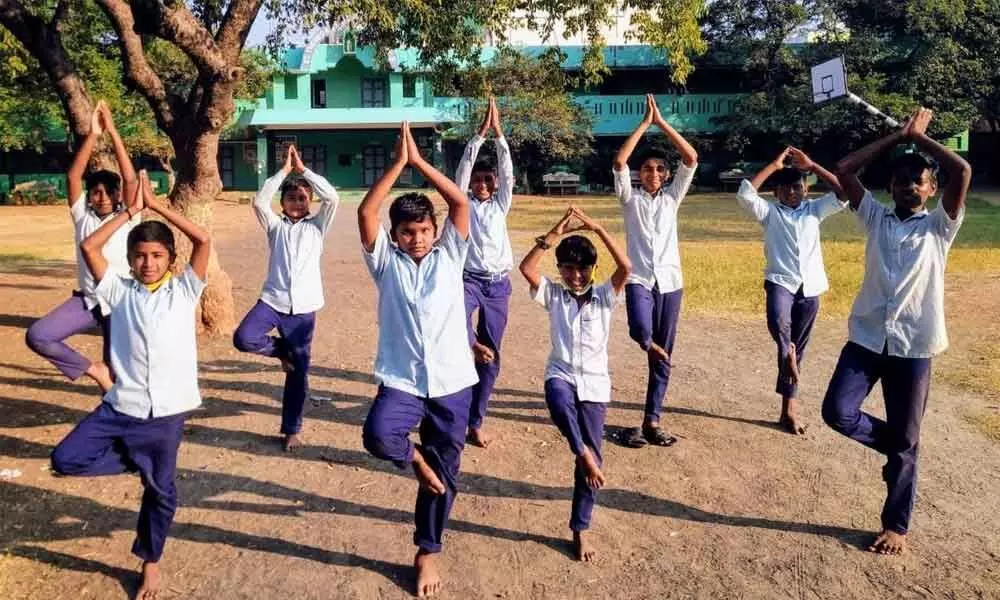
(737, 509)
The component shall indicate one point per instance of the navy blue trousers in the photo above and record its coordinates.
(652, 318)
(790, 319)
(443, 422)
(493, 301)
(905, 384)
(295, 344)
(107, 442)
(582, 424)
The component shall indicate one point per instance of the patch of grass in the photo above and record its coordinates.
(722, 251)
(987, 422)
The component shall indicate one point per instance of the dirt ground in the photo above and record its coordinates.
(737, 509)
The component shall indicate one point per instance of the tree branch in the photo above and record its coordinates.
(136, 71)
(43, 42)
(174, 23)
(235, 27)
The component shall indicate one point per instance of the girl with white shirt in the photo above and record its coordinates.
(423, 363)
(89, 209)
(577, 383)
(139, 424)
(795, 276)
(293, 290)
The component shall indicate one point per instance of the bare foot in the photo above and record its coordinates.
(592, 472)
(428, 578)
(483, 353)
(286, 364)
(100, 373)
(149, 589)
(889, 542)
(792, 365)
(581, 547)
(291, 442)
(789, 417)
(425, 474)
(658, 353)
(476, 437)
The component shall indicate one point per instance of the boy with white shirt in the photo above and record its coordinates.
(89, 209)
(654, 289)
(293, 290)
(897, 322)
(487, 286)
(794, 276)
(577, 383)
(140, 421)
(424, 363)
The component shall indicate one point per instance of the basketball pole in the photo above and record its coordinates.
(858, 101)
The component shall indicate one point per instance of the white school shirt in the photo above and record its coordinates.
(423, 344)
(489, 244)
(579, 337)
(901, 302)
(154, 353)
(651, 229)
(791, 239)
(294, 284)
(115, 251)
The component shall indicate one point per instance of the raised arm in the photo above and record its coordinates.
(201, 242)
(74, 175)
(262, 201)
(802, 162)
(959, 172)
(505, 167)
(125, 168)
(624, 265)
(621, 160)
(529, 264)
(851, 165)
(463, 174)
(371, 205)
(769, 169)
(92, 247)
(457, 200)
(689, 156)
(324, 190)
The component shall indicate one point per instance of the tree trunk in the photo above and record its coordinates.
(193, 195)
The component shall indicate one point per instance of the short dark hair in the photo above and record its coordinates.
(913, 164)
(152, 231)
(654, 154)
(295, 182)
(112, 181)
(787, 176)
(484, 164)
(577, 251)
(411, 208)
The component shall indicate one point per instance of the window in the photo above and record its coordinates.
(373, 93)
(409, 86)
(350, 43)
(226, 165)
(314, 158)
(291, 87)
(374, 163)
(319, 93)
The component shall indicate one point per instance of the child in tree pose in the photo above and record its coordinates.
(794, 277)
(897, 322)
(293, 290)
(654, 289)
(424, 363)
(487, 286)
(577, 384)
(84, 310)
(154, 355)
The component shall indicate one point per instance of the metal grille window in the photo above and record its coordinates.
(373, 93)
(226, 165)
(314, 158)
(373, 163)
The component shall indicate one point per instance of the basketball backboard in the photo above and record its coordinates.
(829, 80)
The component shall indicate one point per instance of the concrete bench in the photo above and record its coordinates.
(562, 182)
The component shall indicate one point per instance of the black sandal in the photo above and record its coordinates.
(633, 438)
(657, 437)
